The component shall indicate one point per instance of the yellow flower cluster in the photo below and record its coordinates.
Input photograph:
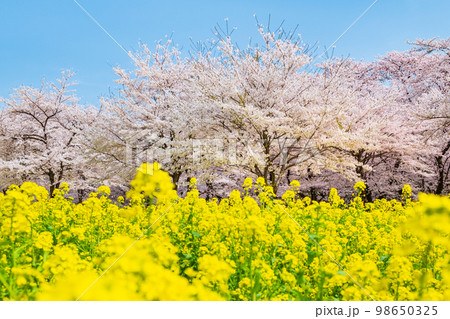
(251, 246)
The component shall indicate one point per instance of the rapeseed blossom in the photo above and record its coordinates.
(245, 247)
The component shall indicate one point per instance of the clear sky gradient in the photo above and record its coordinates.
(41, 38)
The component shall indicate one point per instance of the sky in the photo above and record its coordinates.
(41, 38)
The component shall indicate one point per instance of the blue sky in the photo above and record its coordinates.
(42, 38)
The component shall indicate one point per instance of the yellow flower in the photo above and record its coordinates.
(44, 240)
(359, 187)
(213, 270)
(243, 248)
(152, 182)
(193, 183)
(248, 182)
(104, 190)
(406, 192)
(65, 187)
(260, 181)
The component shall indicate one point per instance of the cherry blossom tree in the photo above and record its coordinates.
(228, 113)
(280, 116)
(436, 117)
(151, 118)
(423, 76)
(40, 135)
(259, 101)
(257, 112)
(375, 129)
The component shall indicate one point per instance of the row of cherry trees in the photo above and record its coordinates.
(228, 113)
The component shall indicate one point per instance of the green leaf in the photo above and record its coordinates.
(19, 250)
(4, 281)
(4, 243)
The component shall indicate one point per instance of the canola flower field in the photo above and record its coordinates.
(250, 246)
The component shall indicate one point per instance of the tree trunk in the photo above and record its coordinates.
(80, 193)
(288, 177)
(313, 193)
(175, 179)
(51, 178)
(273, 182)
(363, 176)
(209, 190)
(441, 170)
